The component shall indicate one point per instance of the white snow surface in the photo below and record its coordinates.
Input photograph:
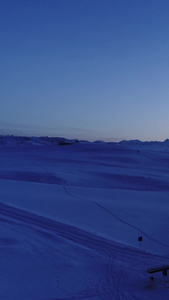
(71, 216)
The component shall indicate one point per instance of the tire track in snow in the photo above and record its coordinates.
(112, 285)
(105, 248)
(119, 219)
(93, 242)
(9, 213)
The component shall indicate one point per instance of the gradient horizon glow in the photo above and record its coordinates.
(91, 69)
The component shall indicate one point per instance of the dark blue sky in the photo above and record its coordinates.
(93, 69)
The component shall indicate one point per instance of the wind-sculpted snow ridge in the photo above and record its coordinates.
(32, 176)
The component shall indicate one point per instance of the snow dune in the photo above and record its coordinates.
(71, 216)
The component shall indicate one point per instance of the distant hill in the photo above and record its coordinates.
(12, 140)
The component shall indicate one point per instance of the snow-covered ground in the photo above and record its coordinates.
(71, 216)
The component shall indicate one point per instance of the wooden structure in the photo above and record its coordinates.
(159, 269)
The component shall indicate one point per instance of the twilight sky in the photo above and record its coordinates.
(86, 69)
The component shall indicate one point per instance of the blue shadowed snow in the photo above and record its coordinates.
(71, 216)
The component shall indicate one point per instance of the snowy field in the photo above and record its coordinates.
(71, 216)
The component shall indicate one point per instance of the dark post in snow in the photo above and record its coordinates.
(140, 238)
(164, 275)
